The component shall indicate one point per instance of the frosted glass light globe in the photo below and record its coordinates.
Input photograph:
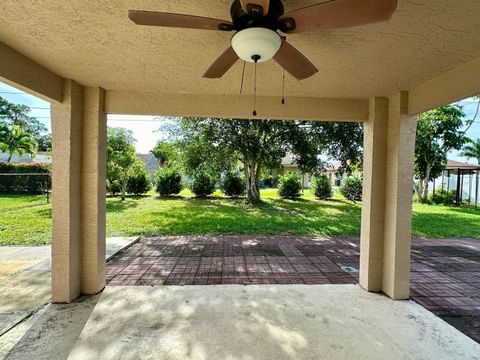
(253, 42)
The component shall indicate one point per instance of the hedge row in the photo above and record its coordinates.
(24, 184)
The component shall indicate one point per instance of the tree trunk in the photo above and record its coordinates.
(123, 187)
(419, 189)
(426, 184)
(416, 189)
(251, 182)
(10, 155)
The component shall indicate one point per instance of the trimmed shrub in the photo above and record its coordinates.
(202, 185)
(113, 187)
(233, 185)
(138, 182)
(168, 182)
(24, 184)
(322, 187)
(351, 188)
(444, 197)
(290, 186)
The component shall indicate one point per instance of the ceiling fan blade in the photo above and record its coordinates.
(335, 14)
(294, 62)
(222, 64)
(253, 7)
(154, 18)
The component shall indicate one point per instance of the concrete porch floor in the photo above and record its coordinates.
(243, 322)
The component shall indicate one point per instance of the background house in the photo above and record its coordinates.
(151, 164)
(289, 165)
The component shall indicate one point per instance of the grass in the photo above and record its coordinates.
(16, 201)
(185, 215)
(25, 219)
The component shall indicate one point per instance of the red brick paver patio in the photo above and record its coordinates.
(445, 275)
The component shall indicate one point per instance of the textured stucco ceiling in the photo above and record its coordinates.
(94, 43)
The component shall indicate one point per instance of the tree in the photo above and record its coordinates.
(341, 141)
(18, 115)
(165, 152)
(14, 140)
(120, 158)
(215, 145)
(220, 145)
(438, 132)
(14, 114)
(472, 150)
(44, 142)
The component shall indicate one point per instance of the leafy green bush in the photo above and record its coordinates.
(351, 188)
(267, 181)
(113, 187)
(168, 182)
(24, 184)
(444, 197)
(233, 185)
(202, 184)
(138, 181)
(290, 186)
(322, 187)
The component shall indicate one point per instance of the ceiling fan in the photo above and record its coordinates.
(259, 24)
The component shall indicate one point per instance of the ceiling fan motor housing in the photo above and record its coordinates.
(255, 17)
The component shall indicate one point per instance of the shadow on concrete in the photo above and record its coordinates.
(53, 331)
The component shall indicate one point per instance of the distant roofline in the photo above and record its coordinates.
(454, 164)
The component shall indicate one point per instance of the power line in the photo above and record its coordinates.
(135, 120)
(14, 93)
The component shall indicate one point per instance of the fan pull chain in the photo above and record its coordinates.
(255, 90)
(283, 88)
(243, 77)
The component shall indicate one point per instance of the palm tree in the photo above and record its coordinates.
(14, 140)
(472, 150)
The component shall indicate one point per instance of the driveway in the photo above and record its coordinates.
(445, 276)
(25, 279)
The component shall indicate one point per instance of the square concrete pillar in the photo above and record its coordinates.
(78, 189)
(94, 150)
(389, 146)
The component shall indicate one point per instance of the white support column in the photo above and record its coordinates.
(78, 231)
(389, 146)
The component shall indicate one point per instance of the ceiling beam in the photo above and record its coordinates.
(450, 87)
(22, 72)
(235, 106)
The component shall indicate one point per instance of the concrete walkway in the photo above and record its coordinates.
(25, 279)
(264, 322)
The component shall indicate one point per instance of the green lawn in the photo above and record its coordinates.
(151, 215)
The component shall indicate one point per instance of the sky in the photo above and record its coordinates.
(145, 128)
